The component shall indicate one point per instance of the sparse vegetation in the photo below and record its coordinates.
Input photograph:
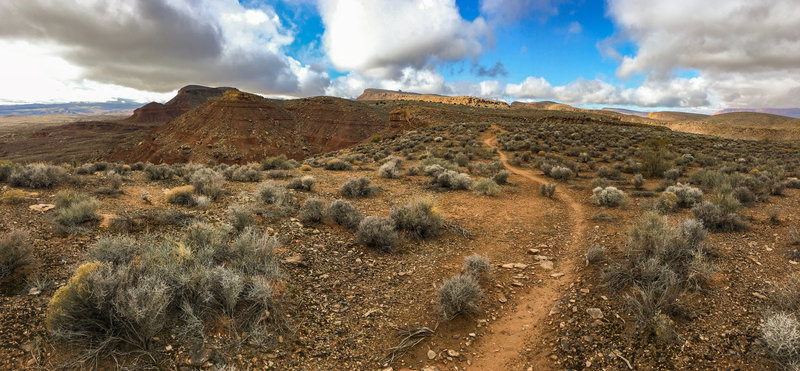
(486, 187)
(15, 253)
(344, 213)
(357, 188)
(459, 295)
(609, 196)
(419, 219)
(183, 195)
(305, 183)
(379, 233)
(547, 189)
(36, 176)
(312, 210)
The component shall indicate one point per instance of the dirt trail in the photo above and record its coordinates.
(500, 349)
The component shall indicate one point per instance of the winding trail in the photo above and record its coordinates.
(500, 349)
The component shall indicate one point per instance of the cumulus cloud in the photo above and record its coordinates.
(382, 38)
(747, 52)
(160, 45)
(426, 81)
(679, 92)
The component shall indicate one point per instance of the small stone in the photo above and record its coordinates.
(472, 334)
(533, 251)
(595, 313)
(585, 291)
(760, 296)
(556, 275)
(431, 354)
(294, 259)
(547, 265)
(518, 284)
(453, 353)
(502, 298)
(42, 207)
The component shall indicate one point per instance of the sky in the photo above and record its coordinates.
(649, 55)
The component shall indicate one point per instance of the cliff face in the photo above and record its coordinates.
(187, 98)
(380, 94)
(241, 127)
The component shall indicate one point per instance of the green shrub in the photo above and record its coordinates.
(73, 209)
(667, 203)
(15, 252)
(562, 173)
(277, 162)
(208, 182)
(687, 195)
(477, 265)
(744, 195)
(240, 217)
(713, 218)
(458, 295)
(312, 210)
(448, 179)
(13, 197)
(337, 165)
(391, 168)
(357, 188)
(305, 183)
(183, 195)
(419, 219)
(547, 189)
(501, 177)
(609, 196)
(487, 187)
(159, 172)
(36, 176)
(638, 181)
(344, 213)
(379, 233)
(116, 250)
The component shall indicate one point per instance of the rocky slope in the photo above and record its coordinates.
(188, 97)
(241, 127)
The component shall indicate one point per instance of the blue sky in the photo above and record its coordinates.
(639, 54)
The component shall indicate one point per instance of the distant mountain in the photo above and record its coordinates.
(626, 111)
(676, 116)
(788, 112)
(188, 97)
(544, 105)
(73, 108)
(381, 94)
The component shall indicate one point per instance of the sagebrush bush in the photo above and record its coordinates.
(687, 195)
(158, 172)
(713, 218)
(487, 187)
(358, 187)
(73, 209)
(240, 217)
(137, 290)
(13, 197)
(36, 176)
(344, 213)
(183, 195)
(15, 252)
(458, 295)
(477, 265)
(391, 168)
(595, 254)
(272, 193)
(792, 183)
(744, 195)
(208, 182)
(305, 183)
(277, 162)
(667, 203)
(449, 179)
(312, 210)
(562, 173)
(379, 233)
(337, 165)
(419, 219)
(638, 181)
(246, 173)
(609, 196)
(501, 177)
(547, 189)
(781, 334)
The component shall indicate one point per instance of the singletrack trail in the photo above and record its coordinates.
(500, 349)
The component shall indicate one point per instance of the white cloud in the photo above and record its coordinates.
(382, 38)
(574, 28)
(426, 81)
(161, 45)
(679, 92)
(746, 52)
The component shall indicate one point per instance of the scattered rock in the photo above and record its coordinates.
(453, 353)
(294, 259)
(431, 354)
(515, 265)
(42, 207)
(595, 313)
(760, 296)
(547, 265)
(556, 275)
(502, 298)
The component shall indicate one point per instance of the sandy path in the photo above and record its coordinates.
(500, 348)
